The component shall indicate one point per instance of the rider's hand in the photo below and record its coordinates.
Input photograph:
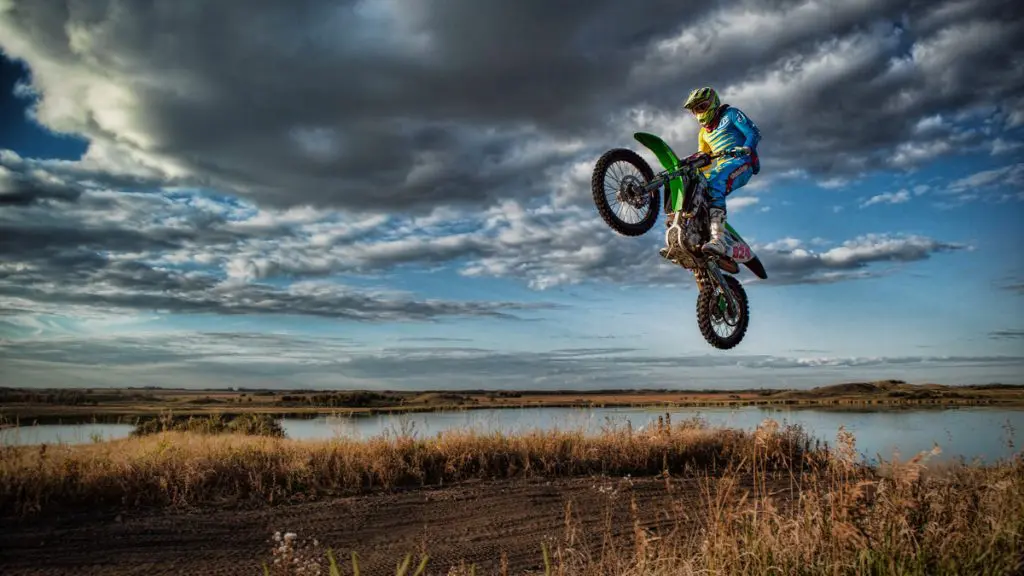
(739, 150)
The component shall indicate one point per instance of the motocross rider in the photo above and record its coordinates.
(723, 128)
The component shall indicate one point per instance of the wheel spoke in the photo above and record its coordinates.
(614, 176)
(612, 185)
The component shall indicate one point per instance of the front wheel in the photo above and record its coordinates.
(620, 175)
(713, 313)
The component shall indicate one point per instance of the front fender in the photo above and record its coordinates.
(670, 161)
(660, 148)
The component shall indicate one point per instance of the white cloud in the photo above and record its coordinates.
(737, 204)
(930, 124)
(911, 153)
(1001, 146)
(790, 262)
(888, 198)
(1010, 176)
(833, 183)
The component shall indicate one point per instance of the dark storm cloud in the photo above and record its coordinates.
(21, 187)
(346, 104)
(398, 104)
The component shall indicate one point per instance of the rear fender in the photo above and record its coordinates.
(741, 252)
(669, 161)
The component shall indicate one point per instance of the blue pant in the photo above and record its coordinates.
(727, 177)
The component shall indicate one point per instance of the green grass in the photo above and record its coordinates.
(248, 424)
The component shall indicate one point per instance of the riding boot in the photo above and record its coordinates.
(716, 245)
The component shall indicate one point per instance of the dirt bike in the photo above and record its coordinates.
(721, 299)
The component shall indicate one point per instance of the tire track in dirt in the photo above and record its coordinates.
(472, 521)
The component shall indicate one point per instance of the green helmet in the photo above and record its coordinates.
(703, 103)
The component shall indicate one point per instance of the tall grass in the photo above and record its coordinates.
(838, 516)
(904, 518)
(186, 469)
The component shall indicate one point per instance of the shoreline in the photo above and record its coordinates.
(127, 405)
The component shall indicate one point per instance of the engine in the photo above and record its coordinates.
(691, 233)
(682, 239)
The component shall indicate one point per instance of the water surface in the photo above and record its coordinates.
(971, 432)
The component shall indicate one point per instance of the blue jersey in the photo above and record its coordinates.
(733, 129)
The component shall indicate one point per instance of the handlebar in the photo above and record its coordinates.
(719, 154)
(698, 157)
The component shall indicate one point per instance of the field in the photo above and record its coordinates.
(28, 406)
(678, 498)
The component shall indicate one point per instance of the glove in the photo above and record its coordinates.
(739, 150)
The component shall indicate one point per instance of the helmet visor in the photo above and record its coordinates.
(700, 107)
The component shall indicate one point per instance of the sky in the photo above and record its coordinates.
(387, 194)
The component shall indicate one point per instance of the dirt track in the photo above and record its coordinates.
(472, 521)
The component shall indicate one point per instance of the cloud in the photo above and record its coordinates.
(1007, 176)
(1006, 334)
(1017, 287)
(182, 251)
(853, 362)
(134, 286)
(1001, 146)
(260, 169)
(737, 204)
(449, 106)
(289, 361)
(888, 198)
(20, 187)
(387, 106)
(790, 262)
(188, 253)
(995, 185)
(833, 183)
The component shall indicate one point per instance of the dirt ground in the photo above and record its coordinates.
(474, 521)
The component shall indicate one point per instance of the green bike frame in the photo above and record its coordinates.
(670, 161)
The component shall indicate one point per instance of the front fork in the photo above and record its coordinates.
(716, 274)
(711, 263)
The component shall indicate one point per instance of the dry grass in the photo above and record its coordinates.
(840, 518)
(845, 519)
(187, 469)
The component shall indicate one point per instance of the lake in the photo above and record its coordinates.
(972, 432)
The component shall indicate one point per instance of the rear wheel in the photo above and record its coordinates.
(720, 328)
(617, 185)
